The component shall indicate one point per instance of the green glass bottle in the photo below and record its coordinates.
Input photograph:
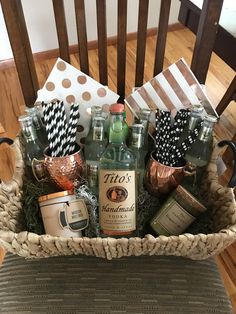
(137, 148)
(144, 116)
(38, 125)
(125, 126)
(94, 151)
(199, 154)
(117, 181)
(96, 111)
(33, 147)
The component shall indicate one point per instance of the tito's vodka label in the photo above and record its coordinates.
(117, 211)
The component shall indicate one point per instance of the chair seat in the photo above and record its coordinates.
(80, 284)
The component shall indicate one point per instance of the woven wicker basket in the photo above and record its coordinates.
(200, 246)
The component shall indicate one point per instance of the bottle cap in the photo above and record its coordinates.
(197, 108)
(144, 113)
(210, 118)
(95, 109)
(24, 118)
(118, 107)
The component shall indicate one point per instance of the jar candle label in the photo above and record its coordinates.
(74, 214)
(174, 219)
(117, 200)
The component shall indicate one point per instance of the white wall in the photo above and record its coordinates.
(41, 26)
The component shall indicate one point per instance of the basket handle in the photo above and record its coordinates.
(6, 140)
(232, 145)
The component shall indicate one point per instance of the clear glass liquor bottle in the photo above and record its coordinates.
(94, 151)
(137, 148)
(198, 155)
(33, 147)
(117, 181)
(96, 111)
(38, 125)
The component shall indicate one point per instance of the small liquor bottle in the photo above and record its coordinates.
(33, 147)
(137, 147)
(38, 125)
(198, 155)
(117, 181)
(94, 151)
(144, 116)
(96, 111)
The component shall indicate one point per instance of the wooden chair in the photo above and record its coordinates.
(19, 39)
(72, 292)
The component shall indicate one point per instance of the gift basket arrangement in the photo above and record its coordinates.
(83, 181)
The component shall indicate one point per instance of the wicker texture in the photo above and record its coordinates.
(83, 284)
(201, 246)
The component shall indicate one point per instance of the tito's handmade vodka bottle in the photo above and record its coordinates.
(117, 181)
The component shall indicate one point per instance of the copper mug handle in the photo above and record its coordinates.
(39, 170)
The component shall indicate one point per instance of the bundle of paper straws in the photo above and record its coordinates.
(168, 149)
(61, 135)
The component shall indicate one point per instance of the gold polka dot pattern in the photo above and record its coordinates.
(71, 85)
(81, 79)
(106, 108)
(66, 83)
(80, 128)
(70, 99)
(50, 86)
(82, 140)
(54, 100)
(101, 92)
(61, 66)
(86, 96)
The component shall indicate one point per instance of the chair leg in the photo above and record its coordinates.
(229, 95)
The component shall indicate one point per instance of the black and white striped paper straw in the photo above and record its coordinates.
(58, 133)
(62, 129)
(55, 119)
(48, 112)
(71, 131)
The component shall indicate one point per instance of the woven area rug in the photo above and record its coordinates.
(81, 284)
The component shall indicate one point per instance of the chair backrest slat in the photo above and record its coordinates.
(13, 12)
(82, 35)
(141, 41)
(121, 47)
(102, 41)
(60, 19)
(161, 36)
(206, 34)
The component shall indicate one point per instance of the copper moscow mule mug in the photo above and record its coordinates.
(161, 179)
(66, 171)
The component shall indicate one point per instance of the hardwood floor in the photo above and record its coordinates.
(179, 44)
